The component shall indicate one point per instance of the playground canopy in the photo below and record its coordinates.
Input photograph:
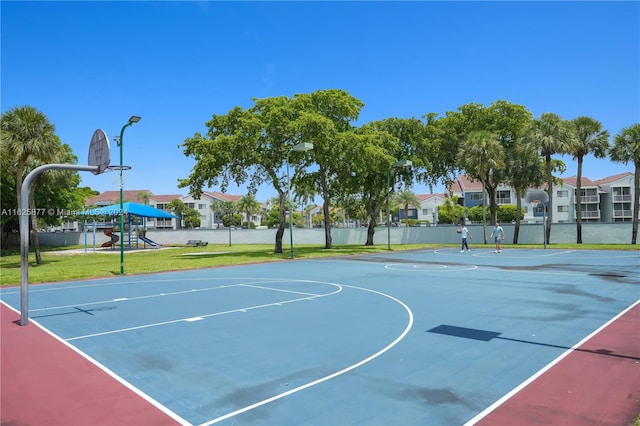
(133, 209)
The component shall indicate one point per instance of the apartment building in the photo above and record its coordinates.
(605, 200)
(616, 197)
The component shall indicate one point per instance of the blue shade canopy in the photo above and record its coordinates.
(134, 209)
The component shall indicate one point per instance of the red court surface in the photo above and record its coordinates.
(597, 384)
(44, 382)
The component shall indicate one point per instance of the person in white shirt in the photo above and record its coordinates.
(498, 234)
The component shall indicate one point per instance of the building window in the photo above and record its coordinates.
(562, 193)
(202, 206)
(563, 209)
(504, 197)
(621, 194)
(475, 196)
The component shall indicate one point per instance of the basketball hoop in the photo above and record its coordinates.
(119, 175)
(99, 151)
(534, 203)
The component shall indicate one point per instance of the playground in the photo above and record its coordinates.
(134, 235)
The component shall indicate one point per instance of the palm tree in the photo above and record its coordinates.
(481, 155)
(591, 139)
(145, 197)
(526, 170)
(550, 135)
(248, 204)
(27, 135)
(405, 199)
(218, 208)
(626, 149)
(26, 132)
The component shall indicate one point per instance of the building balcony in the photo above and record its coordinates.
(590, 199)
(622, 198)
(622, 213)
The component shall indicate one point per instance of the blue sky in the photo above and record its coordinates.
(90, 65)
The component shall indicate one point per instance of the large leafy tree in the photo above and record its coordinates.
(247, 146)
(626, 149)
(385, 143)
(369, 173)
(550, 135)
(325, 120)
(526, 170)
(482, 156)
(507, 123)
(591, 138)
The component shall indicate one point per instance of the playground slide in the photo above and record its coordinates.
(150, 242)
(114, 238)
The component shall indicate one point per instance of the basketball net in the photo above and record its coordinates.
(534, 203)
(119, 175)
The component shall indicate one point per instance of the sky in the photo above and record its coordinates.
(91, 65)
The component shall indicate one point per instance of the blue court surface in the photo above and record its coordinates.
(427, 337)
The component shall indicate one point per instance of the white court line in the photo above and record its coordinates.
(150, 296)
(214, 314)
(113, 375)
(522, 385)
(277, 289)
(330, 376)
(428, 268)
(486, 252)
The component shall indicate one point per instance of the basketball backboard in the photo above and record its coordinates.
(537, 196)
(99, 151)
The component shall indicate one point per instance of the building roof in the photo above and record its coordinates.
(584, 182)
(425, 197)
(108, 197)
(222, 196)
(465, 184)
(611, 179)
(166, 198)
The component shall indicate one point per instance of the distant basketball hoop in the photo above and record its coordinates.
(119, 175)
(99, 151)
(535, 197)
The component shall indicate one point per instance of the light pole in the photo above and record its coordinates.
(301, 147)
(401, 163)
(120, 141)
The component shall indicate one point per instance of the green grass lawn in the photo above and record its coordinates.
(63, 267)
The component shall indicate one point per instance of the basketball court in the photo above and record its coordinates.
(433, 337)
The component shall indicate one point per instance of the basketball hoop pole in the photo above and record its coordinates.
(24, 230)
(119, 142)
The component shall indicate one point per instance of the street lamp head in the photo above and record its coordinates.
(134, 119)
(303, 146)
(403, 163)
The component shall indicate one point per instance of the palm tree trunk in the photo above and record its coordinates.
(516, 230)
(325, 209)
(579, 203)
(484, 212)
(35, 240)
(550, 203)
(636, 205)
